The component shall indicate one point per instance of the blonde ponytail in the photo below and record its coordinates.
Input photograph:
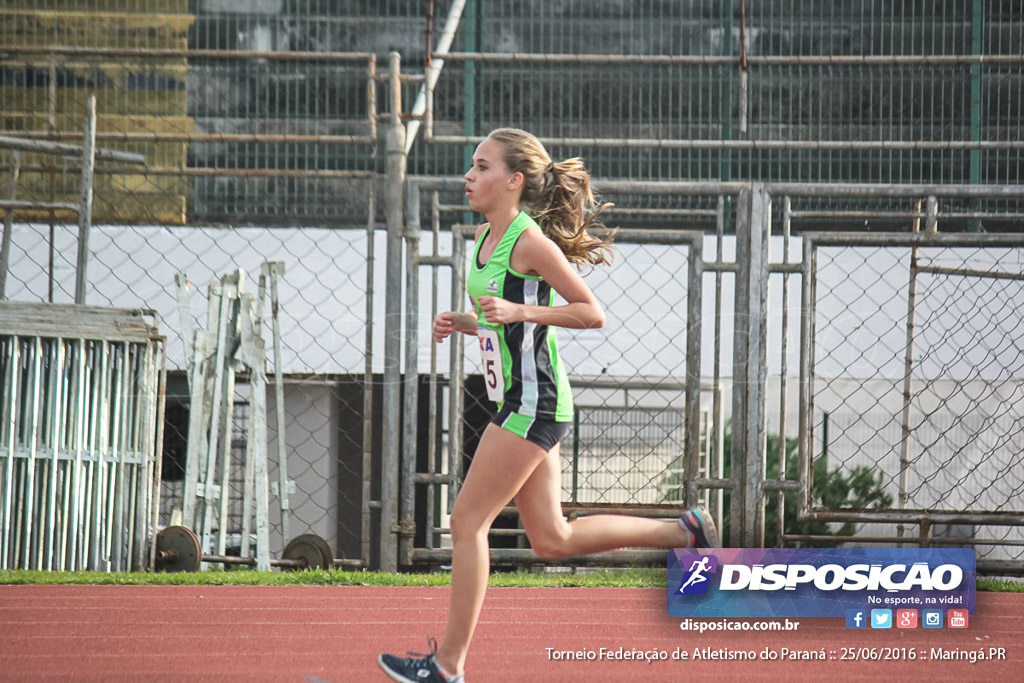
(558, 196)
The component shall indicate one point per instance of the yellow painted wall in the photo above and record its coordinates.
(134, 94)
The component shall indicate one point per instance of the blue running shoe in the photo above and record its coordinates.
(418, 668)
(701, 526)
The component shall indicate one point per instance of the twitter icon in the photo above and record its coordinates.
(881, 618)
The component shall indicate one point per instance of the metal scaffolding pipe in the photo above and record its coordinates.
(694, 300)
(970, 272)
(213, 172)
(419, 108)
(88, 152)
(855, 239)
(910, 516)
(26, 145)
(653, 187)
(720, 60)
(391, 436)
(5, 240)
(434, 383)
(124, 136)
(832, 190)
(410, 383)
(690, 188)
(29, 204)
(167, 53)
(367, 455)
(662, 143)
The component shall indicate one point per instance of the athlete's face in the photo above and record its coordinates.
(489, 183)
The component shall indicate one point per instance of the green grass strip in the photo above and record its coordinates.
(600, 578)
(1001, 585)
(605, 578)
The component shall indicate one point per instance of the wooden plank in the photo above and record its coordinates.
(83, 322)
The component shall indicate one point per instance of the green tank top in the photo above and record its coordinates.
(521, 365)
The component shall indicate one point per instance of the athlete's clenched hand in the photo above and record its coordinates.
(498, 310)
(444, 323)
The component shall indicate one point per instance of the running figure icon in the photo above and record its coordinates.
(696, 570)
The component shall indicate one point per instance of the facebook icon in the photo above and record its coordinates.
(856, 618)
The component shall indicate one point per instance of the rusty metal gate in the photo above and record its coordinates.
(663, 408)
(80, 391)
(912, 371)
(748, 374)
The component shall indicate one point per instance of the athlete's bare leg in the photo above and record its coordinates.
(501, 465)
(551, 536)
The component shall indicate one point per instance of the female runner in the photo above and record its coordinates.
(522, 257)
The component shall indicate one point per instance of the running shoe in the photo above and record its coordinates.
(418, 668)
(701, 526)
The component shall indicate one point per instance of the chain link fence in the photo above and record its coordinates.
(629, 438)
(918, 378)
(323, 310)
(625, 455)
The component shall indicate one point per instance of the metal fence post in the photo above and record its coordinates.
(807, 298)
(366, 521)
(391, 437)
(274, 271)
(254, 354)
(85, 210)
(749, 438)
(455, 372)
(410, 408)
(693, 362)
(931, 226)
(5, 243)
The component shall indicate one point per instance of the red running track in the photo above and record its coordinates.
(334, 633)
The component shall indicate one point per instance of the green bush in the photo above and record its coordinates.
(854, 488)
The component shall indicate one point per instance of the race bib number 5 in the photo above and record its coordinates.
(490, 357)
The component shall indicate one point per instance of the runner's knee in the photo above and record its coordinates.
(551, 543)
(465, 524)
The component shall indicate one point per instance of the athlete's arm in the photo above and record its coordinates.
(535, 254)
(452, 321)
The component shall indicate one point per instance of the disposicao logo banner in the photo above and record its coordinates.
(800, 582)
